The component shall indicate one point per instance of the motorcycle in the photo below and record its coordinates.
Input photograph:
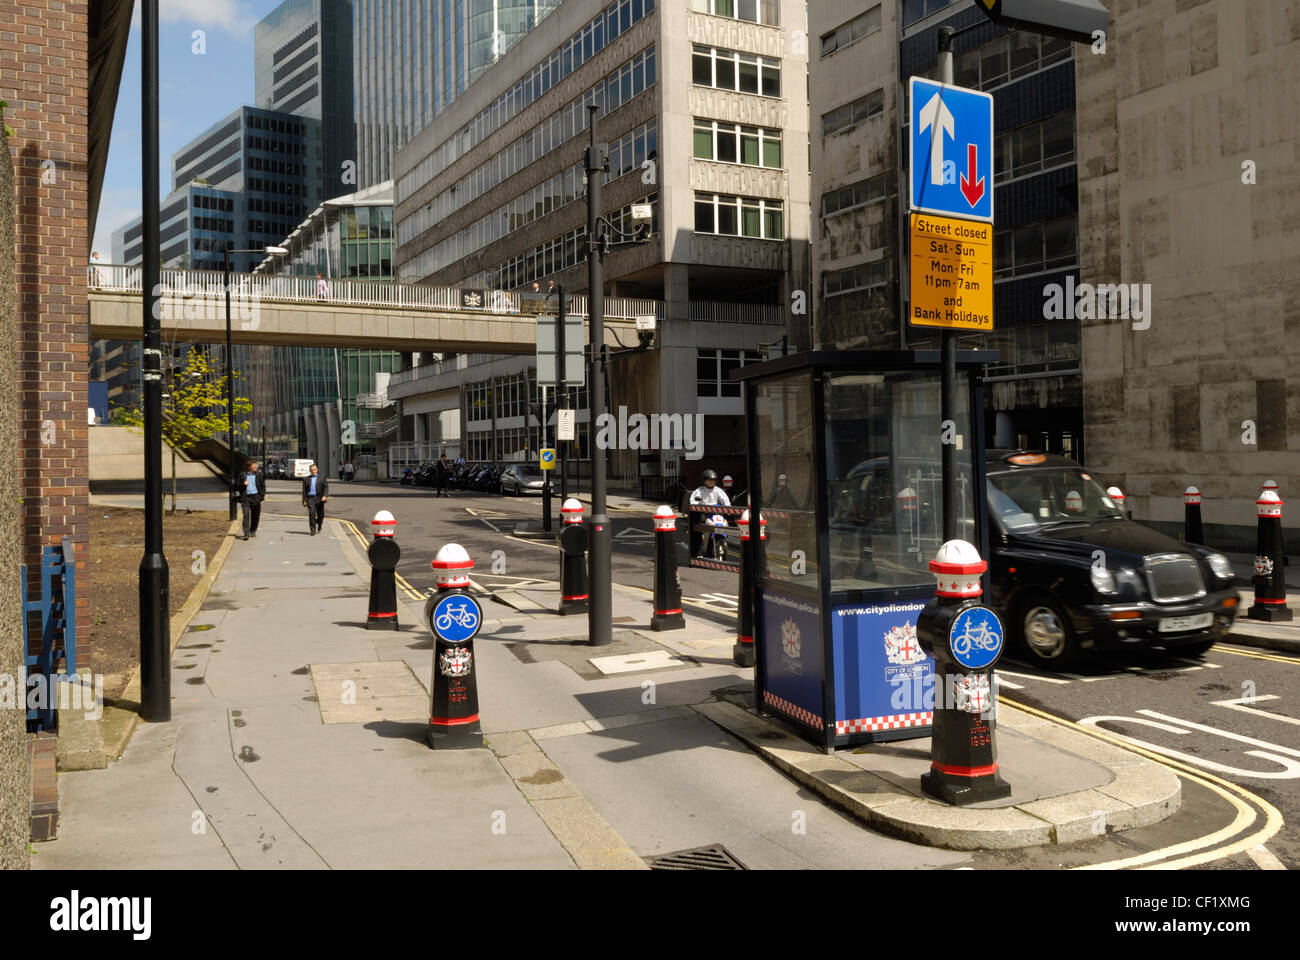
(716, 549)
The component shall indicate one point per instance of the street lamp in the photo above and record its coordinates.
(599, 233)
(230, 381)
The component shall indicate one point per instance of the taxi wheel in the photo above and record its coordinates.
(1045, 634)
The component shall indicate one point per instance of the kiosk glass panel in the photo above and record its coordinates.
(884, 477)
(787, 480)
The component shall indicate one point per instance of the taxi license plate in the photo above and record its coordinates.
(1178, 624)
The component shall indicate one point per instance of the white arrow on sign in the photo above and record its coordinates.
(936, 118)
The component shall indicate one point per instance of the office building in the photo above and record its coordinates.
(704, 107)
(303, 53)
(862, 53)
(414, 57)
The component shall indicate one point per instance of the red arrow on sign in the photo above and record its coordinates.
(971, 188)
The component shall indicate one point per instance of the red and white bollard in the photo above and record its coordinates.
(573, 559)
(1270, 574)
(455, 618)
(743, 652)
(383, 554)
(1192, 530)
(668, 583)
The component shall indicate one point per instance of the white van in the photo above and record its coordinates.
(301, 468)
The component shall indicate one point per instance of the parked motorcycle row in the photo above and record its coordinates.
(482, 477)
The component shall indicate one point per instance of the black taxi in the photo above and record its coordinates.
(1071, 574)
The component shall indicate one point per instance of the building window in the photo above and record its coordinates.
(851, 114)
(914, 10)
(1035, 248)
(713, 371)
(739, 216)
(857, 28)
(731, 70)
(735, 143)
(869, 276)
(1008, 58)
(1035, 147)
(766, 12)
(853, 196)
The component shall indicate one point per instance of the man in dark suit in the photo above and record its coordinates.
(442, 470)
(315, 491)
(252, 491)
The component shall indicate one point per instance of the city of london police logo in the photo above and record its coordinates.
(791, 645)
(454, 662)
(901, 647)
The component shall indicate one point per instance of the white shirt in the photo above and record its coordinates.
(712, 497)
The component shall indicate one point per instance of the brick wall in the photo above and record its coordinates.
(43, 77)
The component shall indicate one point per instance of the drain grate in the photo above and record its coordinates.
(316, 563)
(714, 857)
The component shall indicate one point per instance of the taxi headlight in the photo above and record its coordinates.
(1220, 566)
(1103, 581)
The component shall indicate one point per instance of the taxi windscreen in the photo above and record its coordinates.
(1030, 499)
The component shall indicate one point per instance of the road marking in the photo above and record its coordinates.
(634, 533)
(540, 543)
(997, 679)
(1264, 858)
(1245, 816)
(1226, 734)
(1243, 704)
(1257, 656)
(1290, 771)
(1031, 676)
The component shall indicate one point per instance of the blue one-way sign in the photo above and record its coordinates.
(952, 150)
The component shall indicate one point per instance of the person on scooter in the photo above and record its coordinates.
(710, 494)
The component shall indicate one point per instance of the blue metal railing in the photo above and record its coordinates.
(57, 606)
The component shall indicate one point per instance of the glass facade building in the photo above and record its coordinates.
(346, 237)
(303, 62)
(414, 57)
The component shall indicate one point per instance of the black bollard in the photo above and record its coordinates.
(1270, 575)
(743, 652)
(573, 560)
(1192, 532)
(965, 639)
(455, 618)
(668, 583)
(383, 554)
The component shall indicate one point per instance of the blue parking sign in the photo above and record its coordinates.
(951, 162)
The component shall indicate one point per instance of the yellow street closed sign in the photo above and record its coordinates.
(951, 273)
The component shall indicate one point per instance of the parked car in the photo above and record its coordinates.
(1071, 574)
(521, 478)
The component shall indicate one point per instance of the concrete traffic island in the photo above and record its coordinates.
(1067, 786)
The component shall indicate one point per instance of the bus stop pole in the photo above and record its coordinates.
(948, 384)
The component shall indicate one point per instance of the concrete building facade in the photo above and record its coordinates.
(414, 57)
(861, 55)
(1189, 183)
(704, 107)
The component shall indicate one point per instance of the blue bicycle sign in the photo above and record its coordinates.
(976, 638)
(457, 618)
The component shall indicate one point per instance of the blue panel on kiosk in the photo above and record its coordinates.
(792, 658)
(884, 682)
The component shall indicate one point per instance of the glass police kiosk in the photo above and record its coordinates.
(844, 464)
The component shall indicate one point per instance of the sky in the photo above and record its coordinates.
(195, 91)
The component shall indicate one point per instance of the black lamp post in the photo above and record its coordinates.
(599, 234)
(230, 380)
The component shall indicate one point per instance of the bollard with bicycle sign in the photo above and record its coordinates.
(965, 639)
(455, 618)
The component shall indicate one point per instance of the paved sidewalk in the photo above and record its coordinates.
(595, 757)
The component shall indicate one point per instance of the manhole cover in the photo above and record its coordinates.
(715, 857)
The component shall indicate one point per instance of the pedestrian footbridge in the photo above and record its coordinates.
(370, 314)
